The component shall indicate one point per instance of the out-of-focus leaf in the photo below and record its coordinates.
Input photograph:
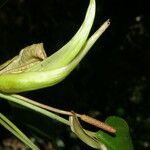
(121, 140)
(3, 2)
(83, 135)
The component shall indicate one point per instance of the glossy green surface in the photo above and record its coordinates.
(122, 139)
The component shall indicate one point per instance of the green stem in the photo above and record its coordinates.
(45, 107)
(33, 107)
(14, 130)
(15, 99)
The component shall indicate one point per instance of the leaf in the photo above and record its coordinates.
(27, 81)
(83, 135)
(3, 2)
(122, 139)
(14, 130)
(27, 57)
(69, 51)
(56, 67)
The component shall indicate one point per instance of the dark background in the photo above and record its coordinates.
(113, 79)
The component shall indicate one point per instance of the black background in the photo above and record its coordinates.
(113, 79)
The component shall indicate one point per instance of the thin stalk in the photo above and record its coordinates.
(56, 110)
(14, 130)
(37, 109)
(41, 109)
(84, 118)
(33, 107)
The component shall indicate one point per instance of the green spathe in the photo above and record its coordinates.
(84, 135)
(36, 71)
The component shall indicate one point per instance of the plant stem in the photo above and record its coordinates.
(33, 107)
(84, 118)
(41, 108)
(56, 110)
(14, 130)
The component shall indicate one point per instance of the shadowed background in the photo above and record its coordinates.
(113, 79)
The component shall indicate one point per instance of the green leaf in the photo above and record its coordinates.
(51, 70)
(27, 81)
(122, 139)
(69, 51)
(14, 130)
(27, 72)
(3, 2)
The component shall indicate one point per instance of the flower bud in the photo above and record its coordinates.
(32, 70)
